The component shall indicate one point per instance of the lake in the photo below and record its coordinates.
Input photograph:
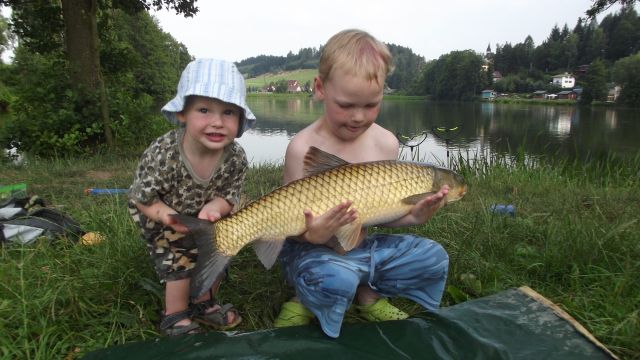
(472, 129)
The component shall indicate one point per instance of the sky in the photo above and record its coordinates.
(239, 29)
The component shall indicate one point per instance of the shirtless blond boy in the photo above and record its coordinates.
(352, 70)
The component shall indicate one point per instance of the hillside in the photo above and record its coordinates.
(302, 75)
(265, 69)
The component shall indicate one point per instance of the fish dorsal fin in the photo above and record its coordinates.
(414, 199)
(349, 234)
(267, 251)
(316, 161)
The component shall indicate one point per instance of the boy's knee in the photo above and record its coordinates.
(432, 255)
(329, 278)
(437, 256)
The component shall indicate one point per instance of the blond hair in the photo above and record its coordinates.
(356, 52)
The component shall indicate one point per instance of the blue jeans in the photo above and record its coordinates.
(392, 265)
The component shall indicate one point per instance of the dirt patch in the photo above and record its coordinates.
(99, 175)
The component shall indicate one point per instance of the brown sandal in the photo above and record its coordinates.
(218, 319)
(169, 328)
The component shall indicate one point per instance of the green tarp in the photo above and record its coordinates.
(514, 324)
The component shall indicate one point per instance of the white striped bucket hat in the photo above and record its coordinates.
(212, 78)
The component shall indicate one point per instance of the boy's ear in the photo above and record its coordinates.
(181, 117)
(318, 88)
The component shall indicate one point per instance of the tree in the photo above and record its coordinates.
(595, 86)
(626, 72)
(6, 37)
(79, 18)
(406, 65)
(571, 50)
(141, 65)
(602, 5)
(282, 86)
(596, 45)
(457, 75)
(623, 35)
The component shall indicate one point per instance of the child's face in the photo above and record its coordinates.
(210, 123)
(351, 103)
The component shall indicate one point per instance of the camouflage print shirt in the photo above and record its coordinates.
(164, 173)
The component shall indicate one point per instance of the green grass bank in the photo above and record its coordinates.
(574, 239)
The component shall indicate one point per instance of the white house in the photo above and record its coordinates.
(565, 81)
(293, 86)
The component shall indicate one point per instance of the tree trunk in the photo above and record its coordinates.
(81, 40)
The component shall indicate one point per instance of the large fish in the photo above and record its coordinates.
(381, 191)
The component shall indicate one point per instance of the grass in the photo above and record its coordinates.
(574, 239)
(302, 76)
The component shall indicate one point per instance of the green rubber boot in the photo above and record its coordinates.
(381, 310)
(293, 314)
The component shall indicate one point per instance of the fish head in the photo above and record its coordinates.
(457, 184)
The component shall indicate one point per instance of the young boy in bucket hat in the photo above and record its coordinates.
(196, 169)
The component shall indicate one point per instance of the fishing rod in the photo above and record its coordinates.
(411, 142)
(447, 134)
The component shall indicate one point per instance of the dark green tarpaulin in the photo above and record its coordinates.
(514, 324)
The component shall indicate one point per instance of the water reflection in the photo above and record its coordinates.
(611, 119)
(485, 128)
(265, 147)
(560, 123)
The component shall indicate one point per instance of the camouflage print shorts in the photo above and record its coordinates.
(173, 254)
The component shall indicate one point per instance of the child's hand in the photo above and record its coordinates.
(160, 212)
(214, 209)
(209, 215)
(427, 207)
(320, 229)
(172, 222)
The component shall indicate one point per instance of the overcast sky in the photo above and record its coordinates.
(235, 30)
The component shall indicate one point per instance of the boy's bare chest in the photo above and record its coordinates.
(355, 153)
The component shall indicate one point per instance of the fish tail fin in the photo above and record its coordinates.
(267, 251)
(211, 263)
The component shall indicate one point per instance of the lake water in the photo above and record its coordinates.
(467, 128)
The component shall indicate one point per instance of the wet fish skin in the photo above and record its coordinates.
(381, 191)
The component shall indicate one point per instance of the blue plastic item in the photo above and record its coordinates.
(94, 191)
(503, 209)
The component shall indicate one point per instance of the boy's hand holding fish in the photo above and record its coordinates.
(321, 229)
(171, 221)
(211, 211)
(424, 209)
(214, 209)
(160, 212)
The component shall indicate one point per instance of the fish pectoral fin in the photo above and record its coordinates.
(317, 161)
(267, 251)
(349, 234)
(414, 199)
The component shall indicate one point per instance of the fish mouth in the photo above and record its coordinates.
(457, 194)
(463, 190)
